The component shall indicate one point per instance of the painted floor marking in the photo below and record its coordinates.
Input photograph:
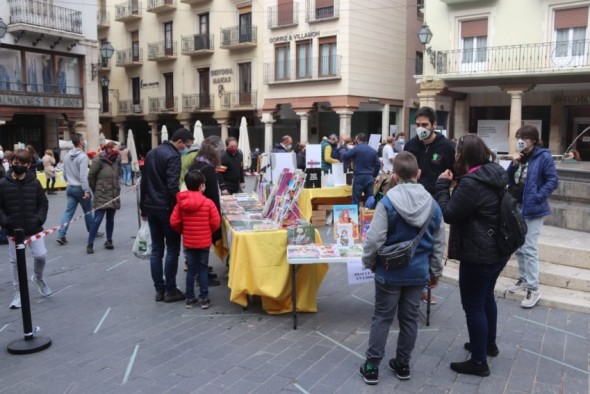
(547, 326)
(298, 386)
(342, 346)
(557, 361)
(130, 365)
(54, 294)
(4, 327)
(116, 265)
(102, 320)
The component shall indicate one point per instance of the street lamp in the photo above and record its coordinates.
(424, 36)
(104, 81)
(3, 28)
(106, 52)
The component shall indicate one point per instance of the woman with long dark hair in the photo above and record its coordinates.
(473, 212)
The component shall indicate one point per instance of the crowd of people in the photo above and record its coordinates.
(435, 181)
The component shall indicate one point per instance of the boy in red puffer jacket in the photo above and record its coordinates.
(196, 218)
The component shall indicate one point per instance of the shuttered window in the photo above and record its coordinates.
(572, 17)
(474, 28)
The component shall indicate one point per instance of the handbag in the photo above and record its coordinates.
(398, 255)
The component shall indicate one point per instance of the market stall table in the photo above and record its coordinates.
(60, 182)
(324, 195)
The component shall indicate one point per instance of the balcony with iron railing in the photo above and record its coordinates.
(103, 20)
(303, 70)
(161, 51)
(161, 6)
(197, 44)
(39, 17)
(130, 57)
(41, 95)
(197, 102)
(194, 2)
(163, 105)
(238, 37)
(563, 57)
(238, 100)
(128, 11)
(322, 10)
(283, 15)
(128, 107)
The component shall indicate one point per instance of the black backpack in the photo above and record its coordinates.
(511, 225)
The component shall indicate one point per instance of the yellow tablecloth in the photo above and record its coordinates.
(60, 182)
(307, 195)
(258, 266)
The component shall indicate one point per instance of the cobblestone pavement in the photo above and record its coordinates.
(109, 336)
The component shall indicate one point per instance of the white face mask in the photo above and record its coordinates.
(423, 133)
(520, 145)
(1, 154)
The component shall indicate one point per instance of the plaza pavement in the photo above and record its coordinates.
(109, 336)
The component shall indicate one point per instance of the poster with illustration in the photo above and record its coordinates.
(344, 214)
(301, 234)
(10, 70)
(366, 218)
(344, 235)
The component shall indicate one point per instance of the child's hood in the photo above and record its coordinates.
(190, 201)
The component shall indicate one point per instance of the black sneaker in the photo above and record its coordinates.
(160, 296)
(89, 249)
(174, 296)
(191, 303)
(493, 350)
(109, 245)
(211, 275)
(62, 240)
(205, 303)
(402, 371)
(470, 368)
(370, 373)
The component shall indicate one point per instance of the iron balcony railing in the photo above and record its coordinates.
(197, 102)
(37, 13)
(283, 15)
(303, 70)
(238, 35)
(235, 100)
(130, 56)
(103, 19)
(165, 104)
(161, 50)
(154, 5)
(129, 107)
(41, 89)
(197, 42)
(318, 10)
(523, 58)
(127, 9)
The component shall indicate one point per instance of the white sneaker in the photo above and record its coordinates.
(15, 304)
(531, 299)
(519, 286)
(44, 290)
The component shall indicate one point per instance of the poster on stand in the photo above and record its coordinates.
(280, 162)
(494, 133)
(313, 156)
(374, 141)
(338, 174)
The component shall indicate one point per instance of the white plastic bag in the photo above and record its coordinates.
(142, 247)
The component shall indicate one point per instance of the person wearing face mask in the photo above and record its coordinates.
(435, 154)
(75, 173)
(284, 146)
(400, 141)
(103, 178)
(232, 161)
(329, 152)
(21, 192)
(532, 179)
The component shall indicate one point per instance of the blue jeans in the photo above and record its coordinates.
(389, 299)
(163, 236)
(476, 285)
(362, 183)
(75, 196)
(98, 215)
(126, 173)
(198, 263)
(527, 255)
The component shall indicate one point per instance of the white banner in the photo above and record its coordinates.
(357, 274)
(494, 133)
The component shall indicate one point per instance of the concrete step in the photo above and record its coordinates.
(565, 247)
(557, 275)
(552, 296)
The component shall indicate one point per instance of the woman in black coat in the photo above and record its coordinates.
(473, 213)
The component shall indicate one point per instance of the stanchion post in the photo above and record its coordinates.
(30, 343)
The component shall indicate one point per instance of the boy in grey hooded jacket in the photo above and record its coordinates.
(400, 289)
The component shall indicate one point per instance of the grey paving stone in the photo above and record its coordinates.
(521, 380)
(543, 388)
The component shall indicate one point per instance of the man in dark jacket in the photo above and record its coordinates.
(285, 146)
(434, 152)
(232, 162)
(159, 186)
(23, 204)
(366, 166)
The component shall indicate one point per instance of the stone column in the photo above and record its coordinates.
(121, 133)
(154, 134)
(345, 122)
(385, 122)
(224, 131)
(461, 119)
(556, 137)
(268, 121)
(515, 118)
(304, 126)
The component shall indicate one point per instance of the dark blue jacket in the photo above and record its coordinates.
(364, 160)
(541, 181)
(160, 178)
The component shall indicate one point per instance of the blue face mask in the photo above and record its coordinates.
(288, 147)
(184, 151)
